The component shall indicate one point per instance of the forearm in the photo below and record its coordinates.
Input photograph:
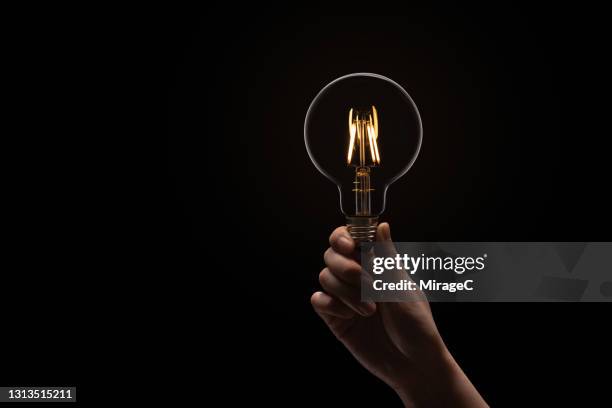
(441, 383)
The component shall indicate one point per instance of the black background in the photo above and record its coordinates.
(510, 152)
(167, 215)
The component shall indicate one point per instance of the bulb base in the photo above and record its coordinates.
(362, 229)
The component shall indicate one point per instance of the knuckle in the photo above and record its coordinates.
(316, 300)
(323, 276)
(348, 267)
(338, 232)
(327, 255)
(334, 236)
(351, 270)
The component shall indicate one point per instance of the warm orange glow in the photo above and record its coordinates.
(359, 136)
(375, 122)
(374, 144)
(352, 130)
(371, 142)
(364, 129)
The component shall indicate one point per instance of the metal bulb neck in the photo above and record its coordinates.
(362, 229)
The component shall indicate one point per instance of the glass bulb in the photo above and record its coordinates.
(363, 132)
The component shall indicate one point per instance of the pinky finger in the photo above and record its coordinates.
(327, 305)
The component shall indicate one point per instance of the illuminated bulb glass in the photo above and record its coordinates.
(363, 132)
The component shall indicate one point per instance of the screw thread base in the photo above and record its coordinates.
(362, 229)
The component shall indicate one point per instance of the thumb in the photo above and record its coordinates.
(386, 248)
(383, 237)
(383, 232)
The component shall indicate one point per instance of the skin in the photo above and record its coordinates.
(397, 342)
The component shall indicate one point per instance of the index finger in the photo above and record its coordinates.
(341, 241)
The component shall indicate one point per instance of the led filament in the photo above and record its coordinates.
(363, 136)
(363, 154)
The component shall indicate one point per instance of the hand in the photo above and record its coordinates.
(397, 342)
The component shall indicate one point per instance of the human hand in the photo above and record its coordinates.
(397, 342)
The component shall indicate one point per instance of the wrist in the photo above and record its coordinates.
(439, 382)
(429, 374)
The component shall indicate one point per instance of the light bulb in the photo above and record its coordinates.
(363, 132)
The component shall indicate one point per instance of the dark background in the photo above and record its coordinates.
(166, 228)
(512, 151)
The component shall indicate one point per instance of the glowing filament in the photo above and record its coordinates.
(352, 130)
(361, 130)
(375, 122)
(371, 142)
